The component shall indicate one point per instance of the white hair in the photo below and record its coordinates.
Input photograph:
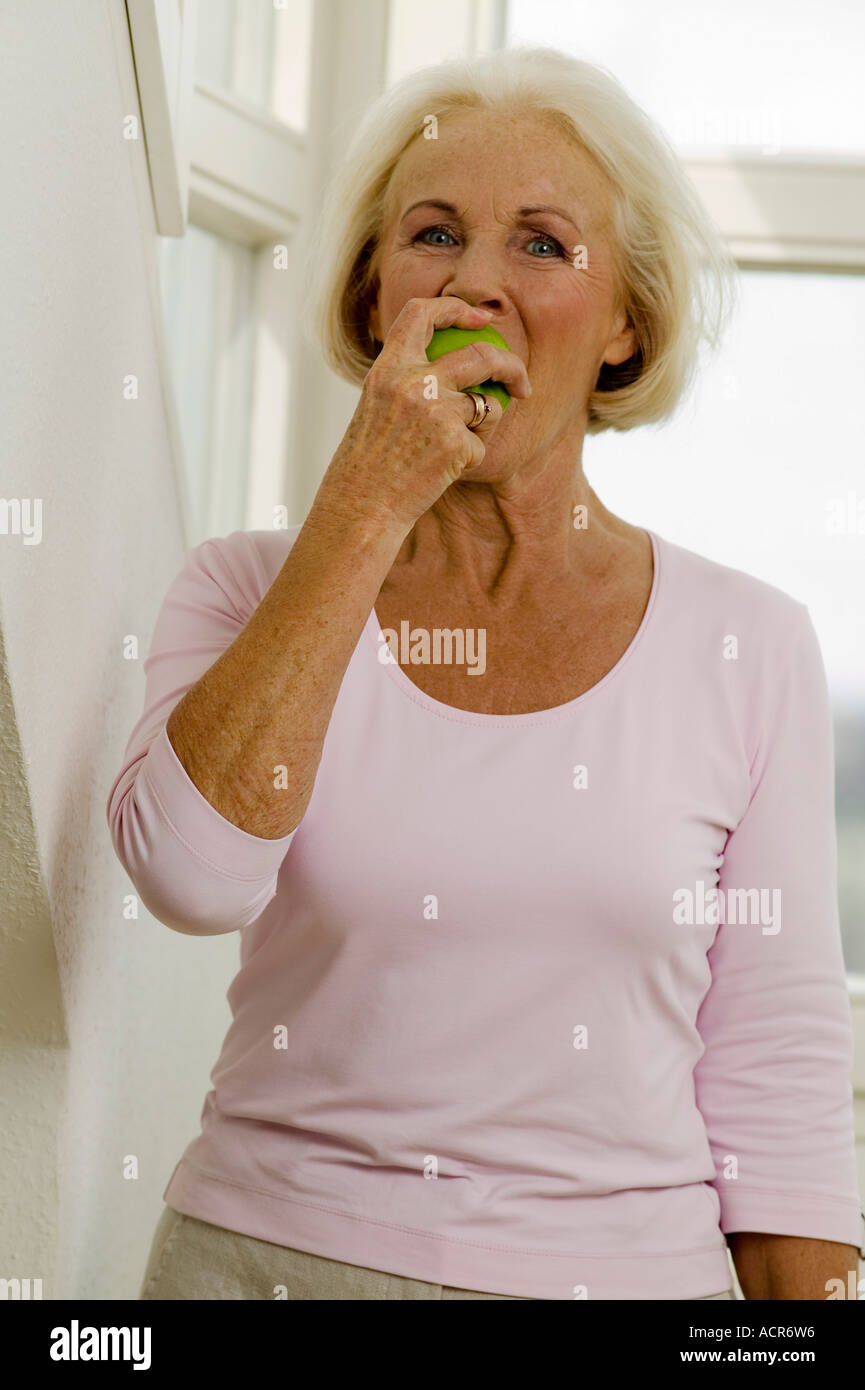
(675, 276)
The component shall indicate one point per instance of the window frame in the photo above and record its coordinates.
(786, 211)
(161, 34)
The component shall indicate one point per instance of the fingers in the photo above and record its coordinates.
(476, 362)
(413, 327)
(490, 420)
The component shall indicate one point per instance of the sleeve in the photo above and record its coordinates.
(774, 1081)
(195, 871)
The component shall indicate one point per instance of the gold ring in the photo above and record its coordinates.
(482, 408)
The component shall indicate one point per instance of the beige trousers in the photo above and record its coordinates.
(191, 1259)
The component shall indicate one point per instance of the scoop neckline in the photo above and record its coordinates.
(455, 715)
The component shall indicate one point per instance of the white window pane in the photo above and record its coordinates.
(762, 470)
(207, 291)
(420, 34)
(292, 56)
(770, 74)
(258, 50)
(214, 38)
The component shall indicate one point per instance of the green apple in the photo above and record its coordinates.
(449, 339)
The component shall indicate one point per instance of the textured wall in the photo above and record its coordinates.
(108, 1027)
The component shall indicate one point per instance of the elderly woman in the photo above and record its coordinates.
(541, 991)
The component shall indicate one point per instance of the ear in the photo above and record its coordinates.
(623, 343)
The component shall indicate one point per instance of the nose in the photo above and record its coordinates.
(475, 279)
(478, 300)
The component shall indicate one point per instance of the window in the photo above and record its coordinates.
(774, 75)
(259, 52)
(207, 286)
(420, 34)
(224, 89)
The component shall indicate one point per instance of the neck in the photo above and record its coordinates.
(517, 536)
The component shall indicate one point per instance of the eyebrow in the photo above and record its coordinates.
(522, 212)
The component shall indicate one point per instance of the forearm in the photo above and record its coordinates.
(795, 1267)
(266, 701)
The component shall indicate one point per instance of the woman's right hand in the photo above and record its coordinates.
(402, 450)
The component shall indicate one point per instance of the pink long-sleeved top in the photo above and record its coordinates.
(537, 1004)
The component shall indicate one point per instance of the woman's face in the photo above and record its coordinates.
(558, 314)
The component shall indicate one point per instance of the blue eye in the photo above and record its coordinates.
(551, 241)
(437, 228)
(538, 236)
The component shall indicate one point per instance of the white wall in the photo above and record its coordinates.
(108, 1027)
